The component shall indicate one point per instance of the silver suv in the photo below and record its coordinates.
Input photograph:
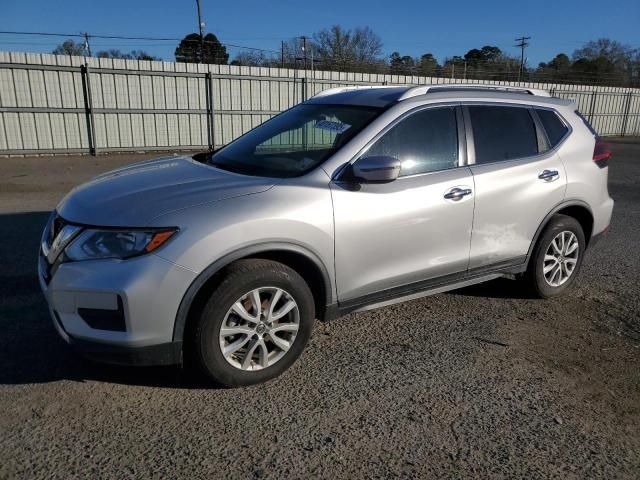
(355, 199)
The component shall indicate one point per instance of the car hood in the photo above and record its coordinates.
(136, 194)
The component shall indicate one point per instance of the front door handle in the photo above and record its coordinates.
(457, 193)
(549, 175)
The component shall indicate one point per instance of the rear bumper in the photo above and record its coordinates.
(602, 217)
(601, 221)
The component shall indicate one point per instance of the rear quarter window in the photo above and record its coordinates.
(555, 128)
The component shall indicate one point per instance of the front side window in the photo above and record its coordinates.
(294, 142)
(425, 141)
(502, 133)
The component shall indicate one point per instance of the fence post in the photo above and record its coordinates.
(305, 136)
(295, 87)
(208, 78)
(88, 107)
(625, 116)
(593, 106)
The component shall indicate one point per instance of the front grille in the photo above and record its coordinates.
(55, 226)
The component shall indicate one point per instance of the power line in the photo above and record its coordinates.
(486, 68)
(119, 37)
(125, 37)
(43, 34)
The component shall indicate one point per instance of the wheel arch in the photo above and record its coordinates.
(573, 208)
(303, 260)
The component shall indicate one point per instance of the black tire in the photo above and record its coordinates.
(240, 278)
(535, 272)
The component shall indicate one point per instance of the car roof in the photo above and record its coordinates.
(375, 96)
(384, 96)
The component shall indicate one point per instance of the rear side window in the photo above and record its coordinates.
(502, 133)
(426, 141)
(555, 128)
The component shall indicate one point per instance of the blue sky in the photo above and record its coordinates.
(445, 28)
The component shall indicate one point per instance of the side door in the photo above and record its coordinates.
(518, 181)
(392, 237)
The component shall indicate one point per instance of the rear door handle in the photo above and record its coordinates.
(457, 193)
(549, 175)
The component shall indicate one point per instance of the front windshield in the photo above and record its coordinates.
(295, 141)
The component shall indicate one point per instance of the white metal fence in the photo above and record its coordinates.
(62, 104)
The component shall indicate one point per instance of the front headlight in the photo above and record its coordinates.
(94, 244)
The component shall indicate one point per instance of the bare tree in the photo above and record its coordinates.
(341, 49)
(132, 55)
(293, 53)
(254, 58)
(69, 47)
(606, 60)
(616, 52)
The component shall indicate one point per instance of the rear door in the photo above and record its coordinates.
(518, 180)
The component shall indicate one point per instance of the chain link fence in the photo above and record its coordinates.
(59, 104)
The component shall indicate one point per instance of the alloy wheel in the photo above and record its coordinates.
(561, 258)
(259, 328)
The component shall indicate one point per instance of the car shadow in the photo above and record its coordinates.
(30, 349)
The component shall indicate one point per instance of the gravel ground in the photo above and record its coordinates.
(481, 382)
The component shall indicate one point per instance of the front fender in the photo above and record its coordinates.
(218, 265)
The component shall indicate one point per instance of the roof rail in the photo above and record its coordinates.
(333, 91)
(424, 89)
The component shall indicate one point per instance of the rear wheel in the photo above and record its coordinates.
(557, 257)
(256, 323)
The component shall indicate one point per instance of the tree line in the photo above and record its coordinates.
(602, 61)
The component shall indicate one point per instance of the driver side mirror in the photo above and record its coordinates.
(378, 168)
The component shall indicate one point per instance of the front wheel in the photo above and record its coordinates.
(256, 323)
(557, 257)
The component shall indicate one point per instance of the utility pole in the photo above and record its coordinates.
(282, 54)
(201, 27)
(87, 47)
(304, 50)
(522, 43)
(312, 75)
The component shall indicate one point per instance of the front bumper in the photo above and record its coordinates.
(161, 354)
(135, 302)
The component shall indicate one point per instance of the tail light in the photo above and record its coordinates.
(601, 152)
